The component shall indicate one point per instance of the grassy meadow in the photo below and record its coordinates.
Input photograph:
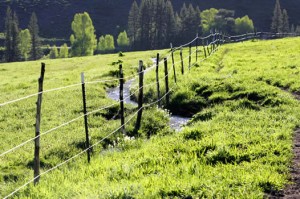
(237, 145)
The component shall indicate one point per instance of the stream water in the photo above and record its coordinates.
(176, 122)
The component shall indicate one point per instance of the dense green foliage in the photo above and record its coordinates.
(154, 24)
(207, 20)
(83, 40)
(123, 40)
(55, 16)
(238, 144)
(64, 51)
(53, 53)
(12, 40)
(36, 51)
(243, 25)
(25, 43)
(106, 44)
(277, 20)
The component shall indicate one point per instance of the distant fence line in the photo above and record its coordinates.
(209, 44)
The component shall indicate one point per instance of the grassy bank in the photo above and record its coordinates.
(238, 144)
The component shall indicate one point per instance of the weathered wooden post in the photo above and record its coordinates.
(122, 99)
(204, 49)
(37, 127)
(167, 82)
(190, 56)
(207, 47)
(87, 143)
(157, 79)
(140, 98)
(173, 63)
(197, 37)
(181, 58)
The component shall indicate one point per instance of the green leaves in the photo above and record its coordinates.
(83, 39)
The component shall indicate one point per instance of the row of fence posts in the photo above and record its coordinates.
(121, 95)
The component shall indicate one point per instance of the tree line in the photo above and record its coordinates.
(21, 44)
(152, 24)
(280, 21)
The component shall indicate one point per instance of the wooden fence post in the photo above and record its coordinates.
(190, 56)
(197, 37)
(212, 44)
(204, 49)
(181, 58)
(122, 99)
(140, 98)
(87, 143)
(157, 79)
(173, 63)
(37, 127)
(167, 82)
(207, 47)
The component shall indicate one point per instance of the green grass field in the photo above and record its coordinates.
(238, 144)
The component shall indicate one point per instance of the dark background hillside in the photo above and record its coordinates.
(110, 16)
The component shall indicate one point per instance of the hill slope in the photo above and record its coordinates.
(237, 145)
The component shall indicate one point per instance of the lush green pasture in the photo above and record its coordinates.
(17, 119)
(238, 144)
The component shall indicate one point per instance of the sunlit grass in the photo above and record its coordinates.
(238, 144)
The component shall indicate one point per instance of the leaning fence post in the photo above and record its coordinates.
(173, 62)
(140, 98)
(122, 99)
(37, 127)
(190, 56)
(87, 144)
(167, 82)
(207, 47)
(157, 79)
(182, 66)
(197, 37)
(203, 43)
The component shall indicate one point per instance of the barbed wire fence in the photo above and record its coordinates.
(210, 45)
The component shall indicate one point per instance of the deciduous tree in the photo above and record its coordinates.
(123, 40)
(25, 43)
(64, 51)
(83, 40)
(243, 25)
(53, 52)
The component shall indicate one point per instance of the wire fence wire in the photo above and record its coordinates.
(239, 38)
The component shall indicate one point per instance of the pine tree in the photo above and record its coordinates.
(285, 22)
(12, 41)
(16, 54)
(293, 28)
(277, 21)
(8, 35)
(297, 31)
(83, 40)
(133, 24)
(170, 23)
(36, 51)
(146, 22)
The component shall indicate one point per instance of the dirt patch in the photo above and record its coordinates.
(292, 191)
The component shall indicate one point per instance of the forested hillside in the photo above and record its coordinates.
(55, 16)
